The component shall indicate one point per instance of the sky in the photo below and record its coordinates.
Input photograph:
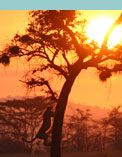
(87, 89)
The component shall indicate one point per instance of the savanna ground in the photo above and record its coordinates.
(67, 154)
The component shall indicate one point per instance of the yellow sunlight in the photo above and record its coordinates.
(98, 28)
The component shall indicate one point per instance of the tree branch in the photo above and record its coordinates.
(41, 82)
(79, 50)
(105, 41)
(59, 69)
(65, 58)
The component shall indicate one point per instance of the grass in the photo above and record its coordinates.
(24, 155)
(67, 154)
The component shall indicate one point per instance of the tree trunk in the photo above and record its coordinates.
(58, 120)
(60, 109)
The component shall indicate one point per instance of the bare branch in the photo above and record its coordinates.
(65, 58)
(105, 41)
(79, 49)
(59, 69)
(42, 82)
(55, 54)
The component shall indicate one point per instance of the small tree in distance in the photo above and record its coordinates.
(56, 42)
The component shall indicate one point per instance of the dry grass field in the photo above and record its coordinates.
(67, 154)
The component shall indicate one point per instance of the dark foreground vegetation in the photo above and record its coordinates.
(82, 135)
(68, 154)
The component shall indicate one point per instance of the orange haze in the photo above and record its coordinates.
(87, 90)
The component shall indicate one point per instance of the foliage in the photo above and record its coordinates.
(57, 40)
(50, 45)
(20, 118)
(77, 130)
(55, 43)
(83, 133)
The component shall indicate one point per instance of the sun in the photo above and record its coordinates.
(98, 28)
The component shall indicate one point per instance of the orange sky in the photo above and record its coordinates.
(87, 88)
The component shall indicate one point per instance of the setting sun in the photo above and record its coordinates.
(98, 28)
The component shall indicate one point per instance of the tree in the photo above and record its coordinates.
(21, 118)
(56, 41)
(78, 127)
(115, 130)
(105, 131)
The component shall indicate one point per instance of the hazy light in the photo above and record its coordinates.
(98, 28)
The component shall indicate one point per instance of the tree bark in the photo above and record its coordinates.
(60, 109)
(58, 120)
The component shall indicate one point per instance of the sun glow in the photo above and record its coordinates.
(98, 28)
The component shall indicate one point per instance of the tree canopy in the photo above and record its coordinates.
(55, 43)
(56, 40)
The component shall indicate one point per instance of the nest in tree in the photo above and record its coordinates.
(31, 82)
(25, 38)
(14, 50)
(117, 67)
(104, 75)
(4, 60)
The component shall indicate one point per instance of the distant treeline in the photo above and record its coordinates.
(22, 118)
(83, 133)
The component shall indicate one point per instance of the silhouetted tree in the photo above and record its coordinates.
(105, 126)
(115, 129)
(78, 129)
(21, 118)
(56, 41)
(95, 136)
